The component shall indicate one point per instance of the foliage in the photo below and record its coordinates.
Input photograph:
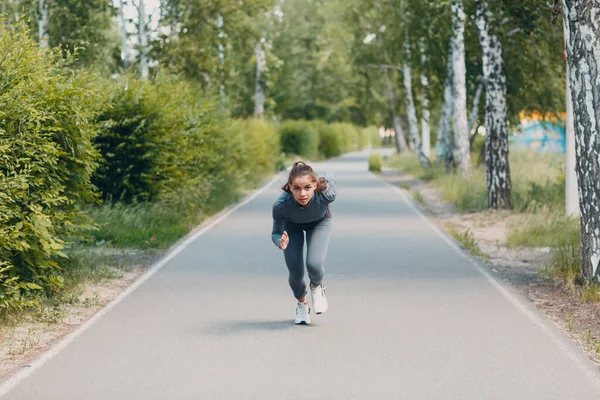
(82, 26)
(46, 161)
(300, 138)
(375, 162)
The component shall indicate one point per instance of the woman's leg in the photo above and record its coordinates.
(317, 241)
(294, 259)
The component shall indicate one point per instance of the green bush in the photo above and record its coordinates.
(214, 165)
(300, 138)
(330, 143)
(369, 136)
(46, 160)
(349, 135)
(259, 146)
(375, 162)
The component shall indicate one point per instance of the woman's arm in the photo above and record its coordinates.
(277, 231)
(331, 192)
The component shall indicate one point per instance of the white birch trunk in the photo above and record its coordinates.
(571, 190)
(496, 140)
(425, 115)
(413, 127)
(444, 138)
(124, 44)
(143, 40)
(582, 18)
(475, 108)
(400, 140)
(460, 91)
(221, 38)
(43, 24)
(259, 92)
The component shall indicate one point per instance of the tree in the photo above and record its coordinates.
(259, 95)
(410, 103)
(425, 115)
(582, 19)
(143, 39)
(77, 26)
(43, 24)
(496, 142)
(460, 91)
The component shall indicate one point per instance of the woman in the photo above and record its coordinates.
(304, 207)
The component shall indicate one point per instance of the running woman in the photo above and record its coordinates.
(304, 207)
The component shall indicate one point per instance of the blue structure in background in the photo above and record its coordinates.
(547, 137)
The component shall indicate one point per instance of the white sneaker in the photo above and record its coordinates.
(319, 301)
(302, 314)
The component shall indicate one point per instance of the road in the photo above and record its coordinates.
(410, 317)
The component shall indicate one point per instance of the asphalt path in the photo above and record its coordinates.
(410, 317)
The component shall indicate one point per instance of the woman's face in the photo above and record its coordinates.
(303, 189)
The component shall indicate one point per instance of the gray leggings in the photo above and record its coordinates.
(317, 241)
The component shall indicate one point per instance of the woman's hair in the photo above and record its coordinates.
(300, 168)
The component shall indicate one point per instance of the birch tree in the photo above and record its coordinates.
(43, 23)
(496, 139)
(389, 90)
(582, 19)
(425, 115)
(123, 26)
(412, 114)
(259, 93)
(460, 90)
(143, 39)
(445, 146)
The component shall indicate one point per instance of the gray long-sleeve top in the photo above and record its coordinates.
(286, 208)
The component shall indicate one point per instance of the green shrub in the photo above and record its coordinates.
(46, 160)
(259, 149)
(216, 163)
(300, 138)
(369, 136)
(349, 134)
(375, 162)
(330, 143)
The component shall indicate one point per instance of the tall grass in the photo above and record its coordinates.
(537, 181)
(538, 192)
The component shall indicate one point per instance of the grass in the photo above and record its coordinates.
(537, 181)
(565, 269)
(85, 265)
(538, 192)
(543, 230)
(467, 240)
(565, 265)
(418, 197)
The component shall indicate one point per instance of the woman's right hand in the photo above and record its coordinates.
(285, 239)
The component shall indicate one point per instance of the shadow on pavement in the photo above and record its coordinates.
(235, 327)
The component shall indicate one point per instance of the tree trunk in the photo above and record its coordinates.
(124, 45)
(143, 35)
(425, 128)
(460, 91)
(496, 139)
(475, 108)
(571, 190)
(43, 24)
(259, 92)
(221, 38)
(400, 141)
(444, 138)
(413, 127)
(582, 19)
